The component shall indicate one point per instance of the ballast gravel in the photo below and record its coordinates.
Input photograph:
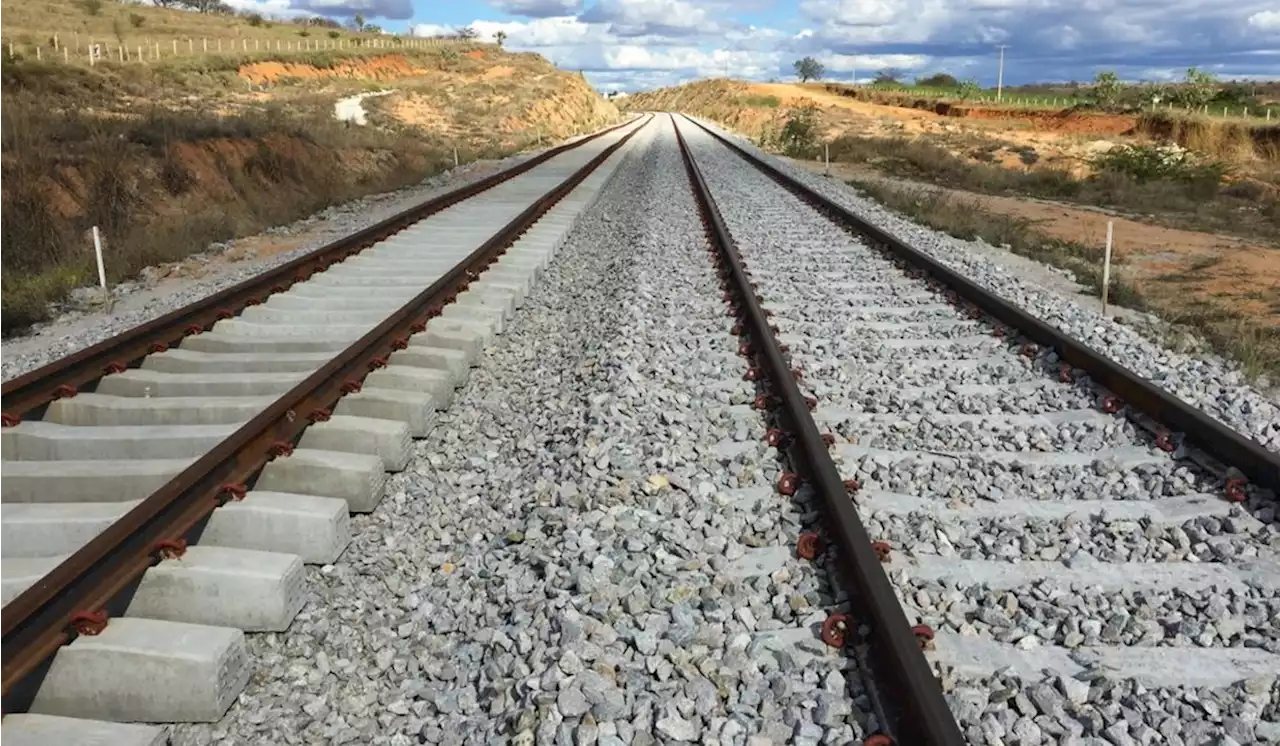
(587, 549)
(1205, 381)
(883, 383)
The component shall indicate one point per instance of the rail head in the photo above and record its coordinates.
(39, 621)
(1208, 434)
(925, 719)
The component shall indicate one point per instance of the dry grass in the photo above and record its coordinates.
(1247, 340)
(1194, 199)
(32, 23)
(168, 158)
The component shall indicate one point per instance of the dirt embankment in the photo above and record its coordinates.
(164, 180)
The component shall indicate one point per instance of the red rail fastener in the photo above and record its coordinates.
(852, 485)
(351, 386)
(998, 332)
(752, 374)
(737, 329)
(1111, 405)
(727, 297)
(192, 329)
(115, 366)
(797, 373)
(417, 328)
(280, 448)
(158, 347)
(65, 391)
(924, 636)
(1064, 374)
(883, 551)
(10, 420)
(1164, 441)
(377, 362)
(744, 349)
(788, 483)
(974, 312)
(167, 549)
(809, 545)
(828, 439)
(811, 403)
(253, 302)
(783, 347)
(878, 739)
(763, 401)
(277, 288)
(320, 415)
(302, 277)
(225, 313)
(775, 437)
(1235, 490)
(232, 491)
(834, 630)
(1029, 350)
(399, 343)
(89, 623)
(451, 297)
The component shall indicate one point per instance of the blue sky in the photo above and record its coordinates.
(637, 44)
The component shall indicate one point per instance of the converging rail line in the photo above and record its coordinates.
(238, 433)
(808, 485)
(1050, 520)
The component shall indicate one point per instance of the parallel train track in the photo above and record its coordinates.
(237, 434)
(1035, 518)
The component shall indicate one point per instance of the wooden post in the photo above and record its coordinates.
(175, 47)
(191, 45)
(1106, 270)
(205, 41)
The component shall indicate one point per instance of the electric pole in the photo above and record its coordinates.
(1000, 74)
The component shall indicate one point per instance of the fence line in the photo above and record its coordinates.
(1264, 113)
(92, 52)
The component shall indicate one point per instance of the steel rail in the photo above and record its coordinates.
(925, 719)
(1205, 432)
(40, 620)
(29, 393)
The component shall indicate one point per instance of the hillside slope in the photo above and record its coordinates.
(168, 156)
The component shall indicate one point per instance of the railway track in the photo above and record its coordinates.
(1080, 572)
(153, 520)
(582, 540)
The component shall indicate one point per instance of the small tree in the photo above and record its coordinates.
(888, 77)
(467, 32)
(358, 22)
(500, 37)
(808, 69)
(1106, 89)
(1198, 89)
(968, 89)
(938, 80)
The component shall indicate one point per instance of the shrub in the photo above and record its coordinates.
(1146, 163)
(254, 19)
(92, 7)
(334, 34)
(136, 20)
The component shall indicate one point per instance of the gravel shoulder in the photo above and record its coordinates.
(85, 321)
(587, 549)
(1205, 381)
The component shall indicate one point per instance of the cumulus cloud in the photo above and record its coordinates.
(636, 44)
(538, 8)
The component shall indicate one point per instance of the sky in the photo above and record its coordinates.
(631, 45)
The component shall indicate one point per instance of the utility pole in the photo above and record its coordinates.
(1000, 74)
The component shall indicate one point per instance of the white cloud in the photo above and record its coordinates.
(1266, 20)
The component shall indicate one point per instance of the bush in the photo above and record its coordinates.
(254, 19)
(334, 34)
(92, 7)
(136, 20)
(799, 136)
(1144, 163)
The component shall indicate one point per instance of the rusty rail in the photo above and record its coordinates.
(895, 656)
(1201, 430)
(39, 621)
(27, 394)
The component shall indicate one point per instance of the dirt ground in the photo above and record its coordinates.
(1064, 142)
(1164, 262)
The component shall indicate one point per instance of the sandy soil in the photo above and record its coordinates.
(1219, 270)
